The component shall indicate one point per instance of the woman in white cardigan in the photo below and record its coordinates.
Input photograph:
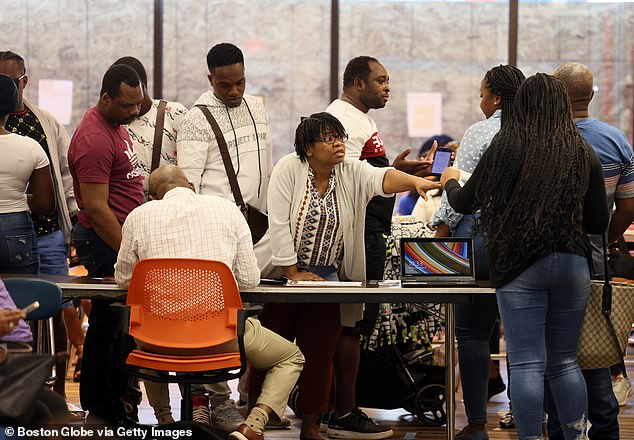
(317, 204)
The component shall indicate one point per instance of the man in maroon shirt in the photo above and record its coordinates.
(107, 187)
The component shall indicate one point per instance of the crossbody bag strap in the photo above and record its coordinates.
(158, 134)
(226, 159)
(606, 303)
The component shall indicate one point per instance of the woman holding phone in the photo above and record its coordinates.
(540, 190)
(475, 322)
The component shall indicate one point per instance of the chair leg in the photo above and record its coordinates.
(51, 342)
(186, 404)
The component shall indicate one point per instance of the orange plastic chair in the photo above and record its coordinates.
(181, 305)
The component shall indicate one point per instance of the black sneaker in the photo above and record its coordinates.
(357, 425)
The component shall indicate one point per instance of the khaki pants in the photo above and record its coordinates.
(265, 350)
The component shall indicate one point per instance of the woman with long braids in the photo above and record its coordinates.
(475, 321)
(539, 188)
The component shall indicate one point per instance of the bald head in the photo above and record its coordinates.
(166, 178)
(578, 80)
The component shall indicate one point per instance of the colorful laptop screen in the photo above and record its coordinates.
(436, 257)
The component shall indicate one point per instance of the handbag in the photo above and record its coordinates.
(22, 376)
(606, 328)
(257, 220)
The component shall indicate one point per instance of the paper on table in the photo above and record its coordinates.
(294, 283)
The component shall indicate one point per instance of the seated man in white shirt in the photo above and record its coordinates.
(182, 224)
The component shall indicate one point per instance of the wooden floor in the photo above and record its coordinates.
(404, 425)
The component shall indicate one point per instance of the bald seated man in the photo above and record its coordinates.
(617, 161)
(182, 224)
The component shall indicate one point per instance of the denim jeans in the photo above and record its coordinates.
(53, 260)
(52, 250)
(474, 325)
(97, 257)
(603, 409)
(18, 248)
(542, 311)
(467, 228)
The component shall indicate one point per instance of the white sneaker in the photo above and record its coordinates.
(622, 388)
(226, 416)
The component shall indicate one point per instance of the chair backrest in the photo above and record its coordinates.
(183, 302)
(24, 291)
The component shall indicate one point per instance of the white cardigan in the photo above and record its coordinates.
(356, 183)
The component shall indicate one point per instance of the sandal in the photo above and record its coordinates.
(508, 421)
(77, 373)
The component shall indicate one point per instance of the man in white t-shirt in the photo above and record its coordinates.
(366, 85)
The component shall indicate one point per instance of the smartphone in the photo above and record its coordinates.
(28, 309)
(272, 282)
(442, 159)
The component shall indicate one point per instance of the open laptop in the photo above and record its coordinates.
(437, 262)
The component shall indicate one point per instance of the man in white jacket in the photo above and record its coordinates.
(244, 125)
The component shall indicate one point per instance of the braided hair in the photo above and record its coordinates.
(538, 167)
(503, 80)
(312, 127)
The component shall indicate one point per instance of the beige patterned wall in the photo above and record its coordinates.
(76, 40)
(286, 46)
(427, 46)
(596, 34)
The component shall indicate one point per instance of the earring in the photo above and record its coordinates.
(495, 103)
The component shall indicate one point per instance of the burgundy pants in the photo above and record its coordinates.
(315, 329)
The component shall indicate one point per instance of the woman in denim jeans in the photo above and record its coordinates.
(539, 188)
(24, 163)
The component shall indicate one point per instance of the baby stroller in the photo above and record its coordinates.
(396, 368)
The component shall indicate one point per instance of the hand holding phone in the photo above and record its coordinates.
(33, 306)
(442, 159)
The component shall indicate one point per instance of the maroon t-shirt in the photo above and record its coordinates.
(102, 152)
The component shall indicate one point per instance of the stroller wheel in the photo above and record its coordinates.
(430, 405)
(293, 401)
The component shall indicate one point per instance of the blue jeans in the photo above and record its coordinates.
(542, 311)
(52, 250)
(467, 228)
(97, 257)
(603, 409)
(18, 248)
(53, 261)
(474, 325)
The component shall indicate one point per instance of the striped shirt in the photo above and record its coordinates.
(617, 161)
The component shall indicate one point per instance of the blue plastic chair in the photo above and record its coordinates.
(24, 291)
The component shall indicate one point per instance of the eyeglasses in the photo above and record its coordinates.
(332, 138)
(17, 80)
